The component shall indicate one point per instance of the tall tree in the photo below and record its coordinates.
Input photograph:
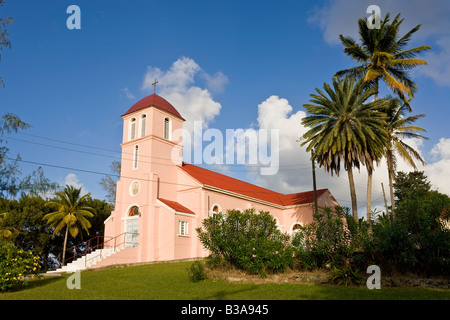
(6, 232)
(9, 168)
(344, 124)
(108, 183)
(4, 36)
(382, 56)
(399, 127)
(72, 214)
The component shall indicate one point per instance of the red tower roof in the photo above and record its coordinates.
(155, 101)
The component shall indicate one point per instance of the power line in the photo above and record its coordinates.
(248, 168)
(125, 177)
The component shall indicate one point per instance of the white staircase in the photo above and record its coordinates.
(86, 261)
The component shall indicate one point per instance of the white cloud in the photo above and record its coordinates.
(341, 16)
(437, 171)
(276, 113)
(177, 85)
(127, 93)
(217, 82)
(72, 180)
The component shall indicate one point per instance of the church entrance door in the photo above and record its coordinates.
(131, 235)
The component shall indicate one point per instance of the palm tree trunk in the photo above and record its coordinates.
(65, 244)
(369, 177)
(391, 190)
(352, 193)
(391, 174)
(369, 195)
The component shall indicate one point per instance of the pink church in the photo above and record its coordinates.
(160, 202)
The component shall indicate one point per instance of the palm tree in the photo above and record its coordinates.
(71, 214)
(398, 127)
(344, 126)
(382, 55)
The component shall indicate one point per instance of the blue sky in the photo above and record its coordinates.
(246, 64)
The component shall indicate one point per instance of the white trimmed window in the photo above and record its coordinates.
(183, 228)
(132, 133)
(296, 227)
(143, 124)
(167, 130)
(135, 157)
(215, 209)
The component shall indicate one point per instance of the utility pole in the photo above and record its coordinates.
(385, 201)
(314, 181)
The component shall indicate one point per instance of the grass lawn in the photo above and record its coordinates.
(169, 281)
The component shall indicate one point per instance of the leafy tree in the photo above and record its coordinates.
(33, 233)
(9, 168)
(72, 214)
(6, 232)
(418, 239)
(4, 36)
(108, 183)
(345, 127)
(382, 55)
(411, 185)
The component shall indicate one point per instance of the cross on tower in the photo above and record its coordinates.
(154, 86)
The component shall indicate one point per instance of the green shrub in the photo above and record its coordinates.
(328, 239)
(345, 275)
(196, 272)
(16, 265)
(247, 240)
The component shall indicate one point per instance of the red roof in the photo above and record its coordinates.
(227, 183)
(175, 206)
(156, 101)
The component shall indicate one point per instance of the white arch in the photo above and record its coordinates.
(291, 229)
(211, 210)
(125, 213)
(132, 129)
(143, 125)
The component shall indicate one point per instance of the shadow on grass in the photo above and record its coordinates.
(35, 283)
(228, 294)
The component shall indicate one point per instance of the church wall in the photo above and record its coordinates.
(165, 235)
(184, 244)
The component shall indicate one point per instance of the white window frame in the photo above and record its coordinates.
(212, 212)
(143, 129)
(293, 225)
(132, 129)
(183, 228)
(167, 134)
(135, 157)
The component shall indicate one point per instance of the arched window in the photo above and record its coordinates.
(134, 211)
(215, 209)
(143, 125)
(135, 157)
(133, 129)
(296, 227)
(167, 128)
